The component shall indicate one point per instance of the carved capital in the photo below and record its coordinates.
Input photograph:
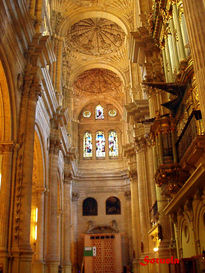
(68, 175)
(75, 196)
(133, 175)
(128, 195)
(55, 145)
(140, 144)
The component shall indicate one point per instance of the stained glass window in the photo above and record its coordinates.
(87, 145)
(113, 143)
(99, 112)
(100, 144)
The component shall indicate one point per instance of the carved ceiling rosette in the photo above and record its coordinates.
(96, 36)
(98, 81)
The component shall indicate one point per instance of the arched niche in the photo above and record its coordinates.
(90, 207)
(113, 206)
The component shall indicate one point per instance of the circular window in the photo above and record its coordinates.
(112, 113)
(87, 114)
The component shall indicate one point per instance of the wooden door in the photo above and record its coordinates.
(108, 249)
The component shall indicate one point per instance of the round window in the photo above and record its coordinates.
(87, 114)
(112, 113)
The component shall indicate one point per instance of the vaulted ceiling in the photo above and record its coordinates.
(95, 59)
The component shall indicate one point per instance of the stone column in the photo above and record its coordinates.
(6, 154)
(74, 228)
(52, 256)
(143, 197)
(128, 219)
(21, 248)
(59, 52)
(194, 14)
(67, 220)
(135, 219)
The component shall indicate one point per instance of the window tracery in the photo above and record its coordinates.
(102, 139)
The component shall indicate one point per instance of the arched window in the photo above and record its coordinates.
(113, 205)
(100, 144)
(99, 112)
(87, 145)
(113, 143)
(90, 207)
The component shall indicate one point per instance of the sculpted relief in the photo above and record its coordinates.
(96, 36)
(98, 81)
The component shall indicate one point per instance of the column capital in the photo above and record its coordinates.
(140, 144)
(68, 177)
(55, 145)
(127, 195)
(75, 196)
(133, 174)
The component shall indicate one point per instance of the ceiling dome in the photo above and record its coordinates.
(98, 80)
(96, 36)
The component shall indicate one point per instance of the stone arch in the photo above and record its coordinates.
(7, 108)
(7, 140)
(93, 65)
(74, 18)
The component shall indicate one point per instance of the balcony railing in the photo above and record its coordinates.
(188, 134)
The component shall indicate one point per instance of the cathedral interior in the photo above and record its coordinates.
(102, 136)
